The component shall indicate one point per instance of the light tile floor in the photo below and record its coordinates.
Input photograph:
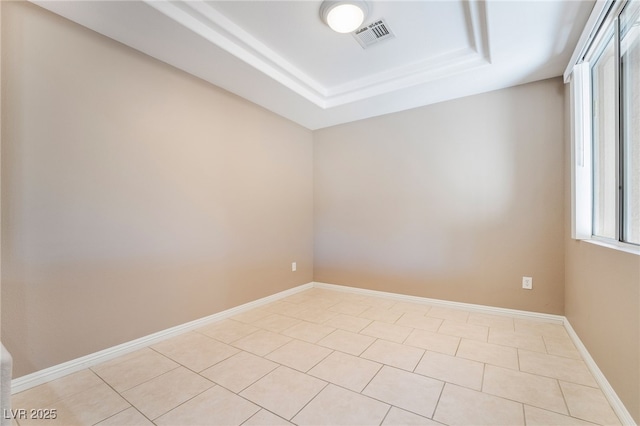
(323, 357)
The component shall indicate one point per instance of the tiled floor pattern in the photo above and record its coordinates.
(328, 358)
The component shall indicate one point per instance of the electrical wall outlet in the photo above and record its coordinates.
(294, 267)
(527, 283)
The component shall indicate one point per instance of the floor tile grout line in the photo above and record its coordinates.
(444, 381)
(385, 415)
(561, 379)
(326, 384)
(233, 341)
(371, 380)
(523, 403)
(118, 393)
(146, 381)
(435, 407)
(182, 403)
(189, 368)
(544, 342)
(567, 415)
(388, 403)
(260, 407)
(515, 347)
(424, 353)
(265, 409)
(119, 412)
(376, 399)
(325, 357)
(253, 415)
(252, 383)
(564, 398)
(458, 346)
(162, 374)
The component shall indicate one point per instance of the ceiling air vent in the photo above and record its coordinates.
(373, 33)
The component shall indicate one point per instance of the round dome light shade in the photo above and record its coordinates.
(343, 16)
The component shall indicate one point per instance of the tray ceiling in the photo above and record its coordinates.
(280, 55)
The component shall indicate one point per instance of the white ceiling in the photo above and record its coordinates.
(280, 55)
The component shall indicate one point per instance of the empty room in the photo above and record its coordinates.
(311, 212)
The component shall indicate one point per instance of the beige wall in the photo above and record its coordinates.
(602, 303)
(603, 306)
(454, 201)
(135, 197)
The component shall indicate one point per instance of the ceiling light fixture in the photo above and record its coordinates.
(344, 16)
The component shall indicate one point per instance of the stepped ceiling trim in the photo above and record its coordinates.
(203, 19)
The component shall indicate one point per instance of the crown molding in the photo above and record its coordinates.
(204, 20)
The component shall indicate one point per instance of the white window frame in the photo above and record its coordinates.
(581, 160)
(578, 74)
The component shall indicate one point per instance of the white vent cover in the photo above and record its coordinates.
(373, 33)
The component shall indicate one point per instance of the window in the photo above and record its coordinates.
(605, 88)
(603, 134)
(630, 120)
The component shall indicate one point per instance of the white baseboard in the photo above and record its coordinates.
(42, 376)
(617, 405)
(557, 319)
(34, 379)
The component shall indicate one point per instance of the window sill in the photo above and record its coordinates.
(627, 248)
